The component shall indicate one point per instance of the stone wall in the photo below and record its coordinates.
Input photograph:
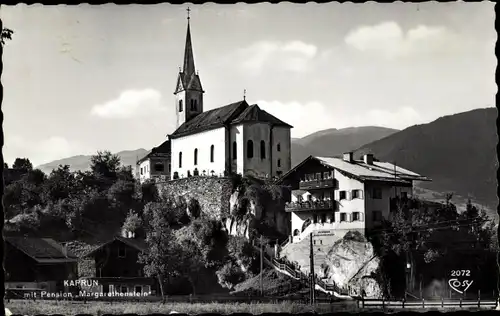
(212, 193)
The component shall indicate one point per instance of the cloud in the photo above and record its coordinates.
(131, 104)
(42, 151)
(389, 39)
(307, 118)
(293, 56)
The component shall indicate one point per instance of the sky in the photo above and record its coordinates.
(78, 79)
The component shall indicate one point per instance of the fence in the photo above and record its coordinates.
(417, 304)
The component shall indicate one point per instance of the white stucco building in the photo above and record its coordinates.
(335, 195)
(235, 138)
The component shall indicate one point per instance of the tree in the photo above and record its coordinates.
(60, 184)
(162, 258)
(133, 222)
(22, 164)
(6, 35)
(104, 167)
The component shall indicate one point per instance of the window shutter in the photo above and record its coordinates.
(337, 195)
(349, 217)
(348, 195)
(361, 216)
(361, 194)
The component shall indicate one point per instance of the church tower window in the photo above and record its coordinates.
(196, 156)
(212, 153)
(262, 149)
(180, 159)
(278, 147)
(234, 150)
(279, 163)
(249, 148)
(180, 105)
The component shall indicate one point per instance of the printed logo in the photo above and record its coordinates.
(460, 286)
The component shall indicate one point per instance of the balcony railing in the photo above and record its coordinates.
(329, 205)
(317, 184)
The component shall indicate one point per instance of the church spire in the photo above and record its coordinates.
(188, 52)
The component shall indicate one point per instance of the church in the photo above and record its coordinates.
(235, 138)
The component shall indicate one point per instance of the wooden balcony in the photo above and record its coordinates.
(311, 206)
(317, 184)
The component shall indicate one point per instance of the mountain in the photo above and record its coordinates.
(82, 162)
(458, 152)
(331, 142)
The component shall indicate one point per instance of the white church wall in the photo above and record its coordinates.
(237, 135)
(202, 141)
(257, 132)
(281, 136)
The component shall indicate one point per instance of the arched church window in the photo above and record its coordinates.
(180, 105)
(278, 147)
(180, 159)
(212, 153)
(234, 150)
(262, 149)
(279, 163)
(249, 148)
(196, 156)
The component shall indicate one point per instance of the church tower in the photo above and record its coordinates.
(188, 92)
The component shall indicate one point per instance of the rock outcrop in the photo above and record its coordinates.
(352, 264)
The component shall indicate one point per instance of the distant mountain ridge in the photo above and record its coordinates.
(458, 152)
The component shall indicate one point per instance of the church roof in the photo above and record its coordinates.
(234, 113)
(255, 114)
(210, 119)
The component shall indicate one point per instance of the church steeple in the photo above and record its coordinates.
(188, 52)
(188, 92)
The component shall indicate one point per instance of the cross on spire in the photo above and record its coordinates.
(188, 10)
(244, 94)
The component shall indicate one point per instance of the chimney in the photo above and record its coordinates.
(348, 156)
(368, 158)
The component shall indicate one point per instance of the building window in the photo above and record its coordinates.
(180, 106)
(318, 176)
(356, 216)
(323, 218)
(124, 289)
(159, 167)
(342, 195)
(357, 194)
(279, 163)
(377, 193)
(169, 168)
(142, 170)
(180, 159)
(234, 150)
(343, 217)
(377, 216)
(262, 149)
(315, 218)
(138, 289)
(195, 156)
(194, 105)
(249, 149)
(278, 147)
(326, 175)
(212, 153)
(121, 252)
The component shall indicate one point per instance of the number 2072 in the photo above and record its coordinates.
(459, 273)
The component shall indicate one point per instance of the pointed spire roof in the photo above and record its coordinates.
(188, 54)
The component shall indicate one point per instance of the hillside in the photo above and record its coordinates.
(333, 141)
(82, 162)
(458, 152)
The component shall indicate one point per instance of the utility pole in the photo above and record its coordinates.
(261, 268)
(313, 279)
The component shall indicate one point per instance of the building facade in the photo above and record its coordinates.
(337, 195)
(155, 165)
(235, 138)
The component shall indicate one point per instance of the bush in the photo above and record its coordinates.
(230, 275)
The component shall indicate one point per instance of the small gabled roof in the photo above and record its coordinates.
(210, 119)
(163, 149)
(136, 243)
(255, 114)
(42, 250)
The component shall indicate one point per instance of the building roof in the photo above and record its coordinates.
(136, 243)
(255, 114)
(42, 250)
(163, 149)
(379, 171)
(234, 113)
